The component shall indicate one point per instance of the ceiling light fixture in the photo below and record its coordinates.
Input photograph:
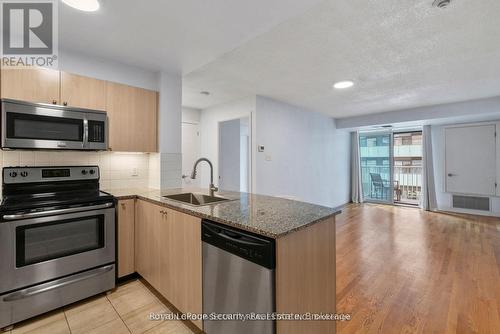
(343, 84)
(84, 5)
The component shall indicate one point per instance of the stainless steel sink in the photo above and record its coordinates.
(196, 199)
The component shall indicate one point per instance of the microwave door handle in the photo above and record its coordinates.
(29, 292)
(85, 143)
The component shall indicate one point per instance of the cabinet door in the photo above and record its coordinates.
(471, 159)
(126, 231)
(132, 116)
(148, 220)
(38, 85)
(185, 263)
(83, 92)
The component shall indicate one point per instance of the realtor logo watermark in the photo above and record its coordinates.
(29, 33)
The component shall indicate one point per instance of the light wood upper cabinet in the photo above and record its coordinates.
(126, 239)
(132, 111)
(83, 92)
(132, 114)
(39, 85)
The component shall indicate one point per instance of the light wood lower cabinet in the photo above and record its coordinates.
(305, 277)
(126, 237)
(185, 262)
(148, 221)
(168, 254)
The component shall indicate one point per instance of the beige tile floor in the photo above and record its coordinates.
(125, 310)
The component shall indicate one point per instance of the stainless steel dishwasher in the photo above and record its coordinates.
(238, 278)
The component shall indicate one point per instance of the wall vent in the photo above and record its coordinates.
(471, 202)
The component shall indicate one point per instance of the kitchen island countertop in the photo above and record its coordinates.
(269, 216)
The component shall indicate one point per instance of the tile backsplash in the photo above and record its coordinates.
(118, 170)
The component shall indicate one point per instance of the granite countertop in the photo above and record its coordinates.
(265, 215)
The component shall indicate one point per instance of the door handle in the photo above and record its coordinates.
(451, 175)
(58, 211)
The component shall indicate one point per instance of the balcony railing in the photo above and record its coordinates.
(407, 183)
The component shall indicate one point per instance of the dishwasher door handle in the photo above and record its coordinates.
(235, 237)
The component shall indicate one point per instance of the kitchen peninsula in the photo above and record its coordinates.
(160, 239)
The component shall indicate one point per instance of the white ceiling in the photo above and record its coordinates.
(401, 54)
(177, 36)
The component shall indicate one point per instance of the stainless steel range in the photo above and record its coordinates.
(57, 239)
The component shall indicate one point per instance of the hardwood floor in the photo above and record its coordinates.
(404, 270)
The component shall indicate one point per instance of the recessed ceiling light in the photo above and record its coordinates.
(343, 84)
(85, 5)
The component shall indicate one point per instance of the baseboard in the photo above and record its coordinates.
(469, 212)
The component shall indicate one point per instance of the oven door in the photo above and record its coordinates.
(37, 126)
(39, 249)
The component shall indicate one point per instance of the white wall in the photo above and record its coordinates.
(209, 131)
(305, 156)
(191, 115)
(169, 130)
(107, 70)
(467, 111)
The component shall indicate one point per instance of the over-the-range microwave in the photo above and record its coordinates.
(27, 125)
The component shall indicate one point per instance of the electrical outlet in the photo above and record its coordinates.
(135, 171)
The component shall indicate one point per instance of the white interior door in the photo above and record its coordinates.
(190, 152)
(470, 164)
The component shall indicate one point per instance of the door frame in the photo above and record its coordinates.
(251, 161)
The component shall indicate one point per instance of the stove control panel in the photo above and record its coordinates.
(12, 175)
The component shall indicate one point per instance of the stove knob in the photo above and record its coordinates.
(13, 174)
(92, 172)
(84, 172)
(24, 174)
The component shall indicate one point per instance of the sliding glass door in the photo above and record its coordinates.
(376, 168)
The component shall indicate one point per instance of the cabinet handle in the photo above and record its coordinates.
(123, 205)
(65, 103)
(54, 101)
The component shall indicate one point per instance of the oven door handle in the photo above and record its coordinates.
(54, 212)
(29, 292)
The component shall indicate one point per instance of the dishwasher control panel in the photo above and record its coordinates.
(249, 246)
